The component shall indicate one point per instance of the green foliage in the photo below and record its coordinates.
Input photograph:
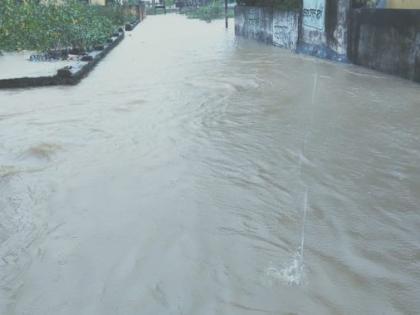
(212, 11)
(169, 3)
(32, 26)
(278, 4)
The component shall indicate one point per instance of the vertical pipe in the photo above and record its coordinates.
(226, 13)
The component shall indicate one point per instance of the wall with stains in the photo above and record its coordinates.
(285, 29)
(324, 29)
(320, 29)
(386, 40)
(280, 28)
(254, 23)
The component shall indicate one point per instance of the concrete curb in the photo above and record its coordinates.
(131, 26)
(65, 76)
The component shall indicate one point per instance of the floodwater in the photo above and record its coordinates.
(195, 173)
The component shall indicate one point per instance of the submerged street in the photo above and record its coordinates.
(197, 173)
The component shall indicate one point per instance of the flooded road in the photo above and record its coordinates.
(195, 173)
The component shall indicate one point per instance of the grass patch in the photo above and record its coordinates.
(29, 25)
(212, 11)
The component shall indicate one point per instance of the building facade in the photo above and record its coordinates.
(398, 4)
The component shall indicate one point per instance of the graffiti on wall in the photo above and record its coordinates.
(253, 17)
(285, 29)
(314, 14)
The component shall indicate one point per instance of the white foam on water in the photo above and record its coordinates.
(292, 273)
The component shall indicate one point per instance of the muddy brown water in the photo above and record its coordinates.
(196, 173)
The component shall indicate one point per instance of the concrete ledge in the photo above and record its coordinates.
(66, 76)
(137, 22)
(131, 26)
(321, 51)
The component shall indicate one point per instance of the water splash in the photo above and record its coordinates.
(305, 210)
(292, 273)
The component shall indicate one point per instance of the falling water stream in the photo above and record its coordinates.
(197, 173)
